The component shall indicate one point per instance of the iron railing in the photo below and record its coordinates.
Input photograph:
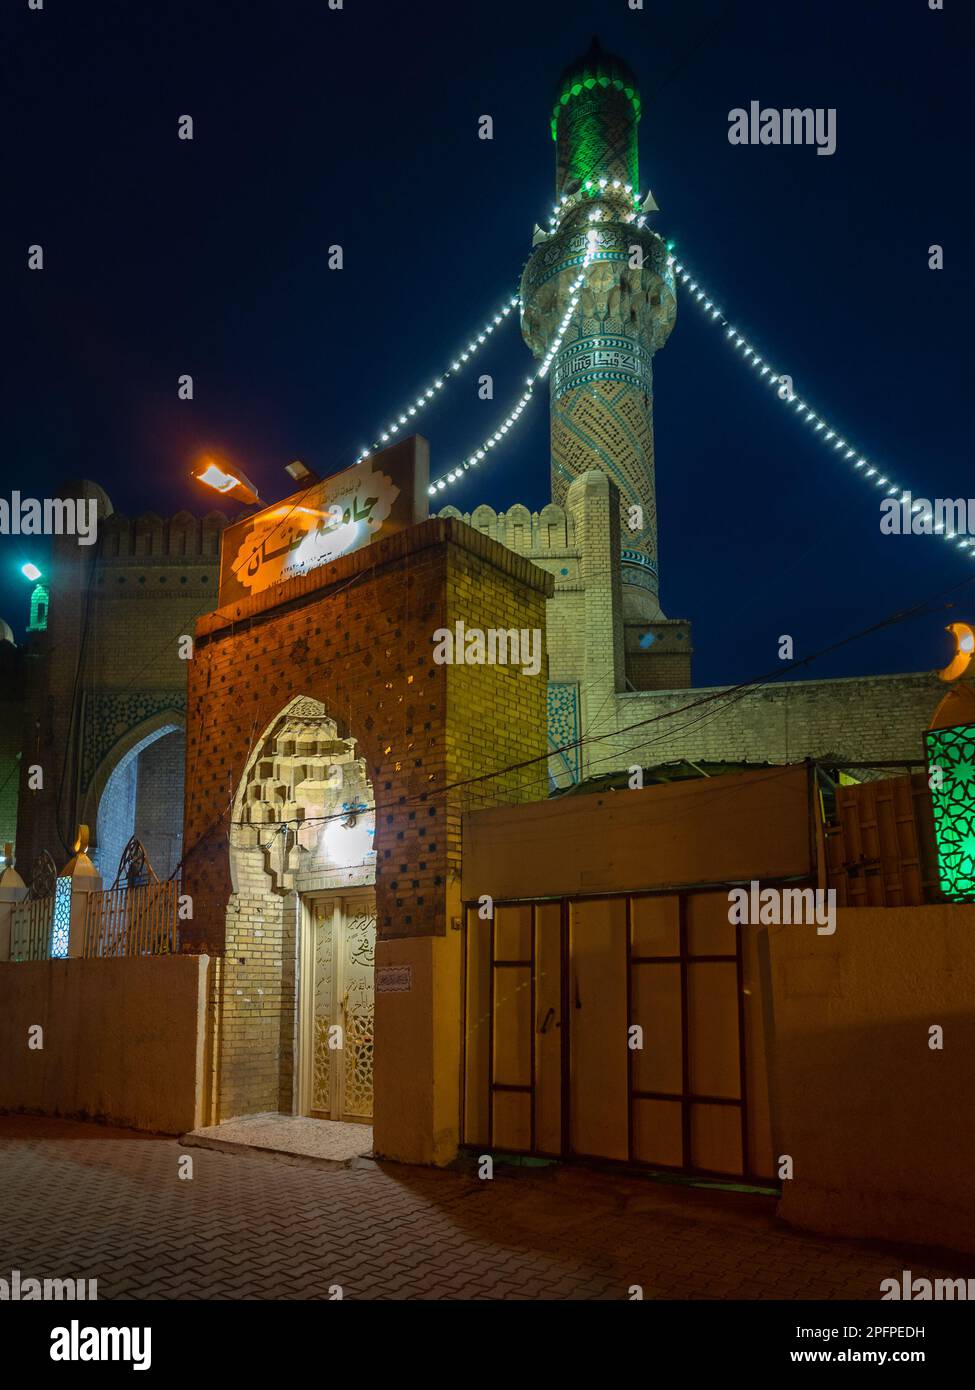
(30, 929)
(137, 921)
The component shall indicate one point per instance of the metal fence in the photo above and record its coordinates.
(30, 929)
(136, 921)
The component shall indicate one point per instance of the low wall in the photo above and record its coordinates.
(879, 1125)
(123, 1040)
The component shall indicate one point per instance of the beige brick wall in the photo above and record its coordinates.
(865, 718)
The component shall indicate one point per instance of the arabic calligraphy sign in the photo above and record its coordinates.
(394, 979)
(330, 519)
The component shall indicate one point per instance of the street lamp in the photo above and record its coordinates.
(228, 482)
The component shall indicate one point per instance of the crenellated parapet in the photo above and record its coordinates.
(592, 642)
(182, 537)
(550, 531)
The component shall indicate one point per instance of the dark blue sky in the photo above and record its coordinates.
(359, 127)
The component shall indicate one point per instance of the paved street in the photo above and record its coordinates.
(87, 1201)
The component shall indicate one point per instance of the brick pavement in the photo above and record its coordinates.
(86, 1201)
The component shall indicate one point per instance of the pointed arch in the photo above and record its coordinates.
(120, 761)
(303, 811)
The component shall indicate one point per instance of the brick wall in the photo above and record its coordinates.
(579, 545)
(663, 663)
(108, 665)
(621, 684)
(867, 718)
(116, 819)
(356, 636)
(159, 800)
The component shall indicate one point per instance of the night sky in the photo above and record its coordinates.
(359, 127)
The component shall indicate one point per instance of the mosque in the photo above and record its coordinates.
(258, 707)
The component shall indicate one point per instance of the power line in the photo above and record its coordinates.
(729, 694)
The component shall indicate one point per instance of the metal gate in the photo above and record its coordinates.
(344, 934)
(138, 915)
(627, 1028)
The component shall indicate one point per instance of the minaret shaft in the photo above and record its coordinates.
(601, 379)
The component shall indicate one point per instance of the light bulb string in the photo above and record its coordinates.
(786, 393)
(594, 189)
(782, 382)
(439, 382)
(495, 437)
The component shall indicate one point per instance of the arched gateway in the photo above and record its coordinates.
(316, 713)
(304, 820)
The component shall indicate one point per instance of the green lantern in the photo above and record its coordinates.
(951, 778)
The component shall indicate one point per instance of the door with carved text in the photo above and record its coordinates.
(344, 939)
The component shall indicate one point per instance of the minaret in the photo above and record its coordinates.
(601, 377)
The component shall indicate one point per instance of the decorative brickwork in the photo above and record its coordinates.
(594, 123)
(563, 732)
(356, 638)
(113, 714)
(601, 382)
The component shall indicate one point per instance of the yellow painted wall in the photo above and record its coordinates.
(123, 1039)
(416, 1082)
(881, 1128)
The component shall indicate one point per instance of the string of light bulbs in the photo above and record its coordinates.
(473, 459)
(594, 188)
(439, 382)
(766, 373)
(784, 391)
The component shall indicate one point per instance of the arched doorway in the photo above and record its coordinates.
(302, 829)
(338, 1007)
(143, 796)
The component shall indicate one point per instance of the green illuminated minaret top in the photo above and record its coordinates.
(597, 301)
(594, 122)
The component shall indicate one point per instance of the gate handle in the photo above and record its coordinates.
(544, 1026)
(578, 1000)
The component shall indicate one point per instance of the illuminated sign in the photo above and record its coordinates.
(331, 518)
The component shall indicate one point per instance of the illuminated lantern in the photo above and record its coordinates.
(950, 750)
